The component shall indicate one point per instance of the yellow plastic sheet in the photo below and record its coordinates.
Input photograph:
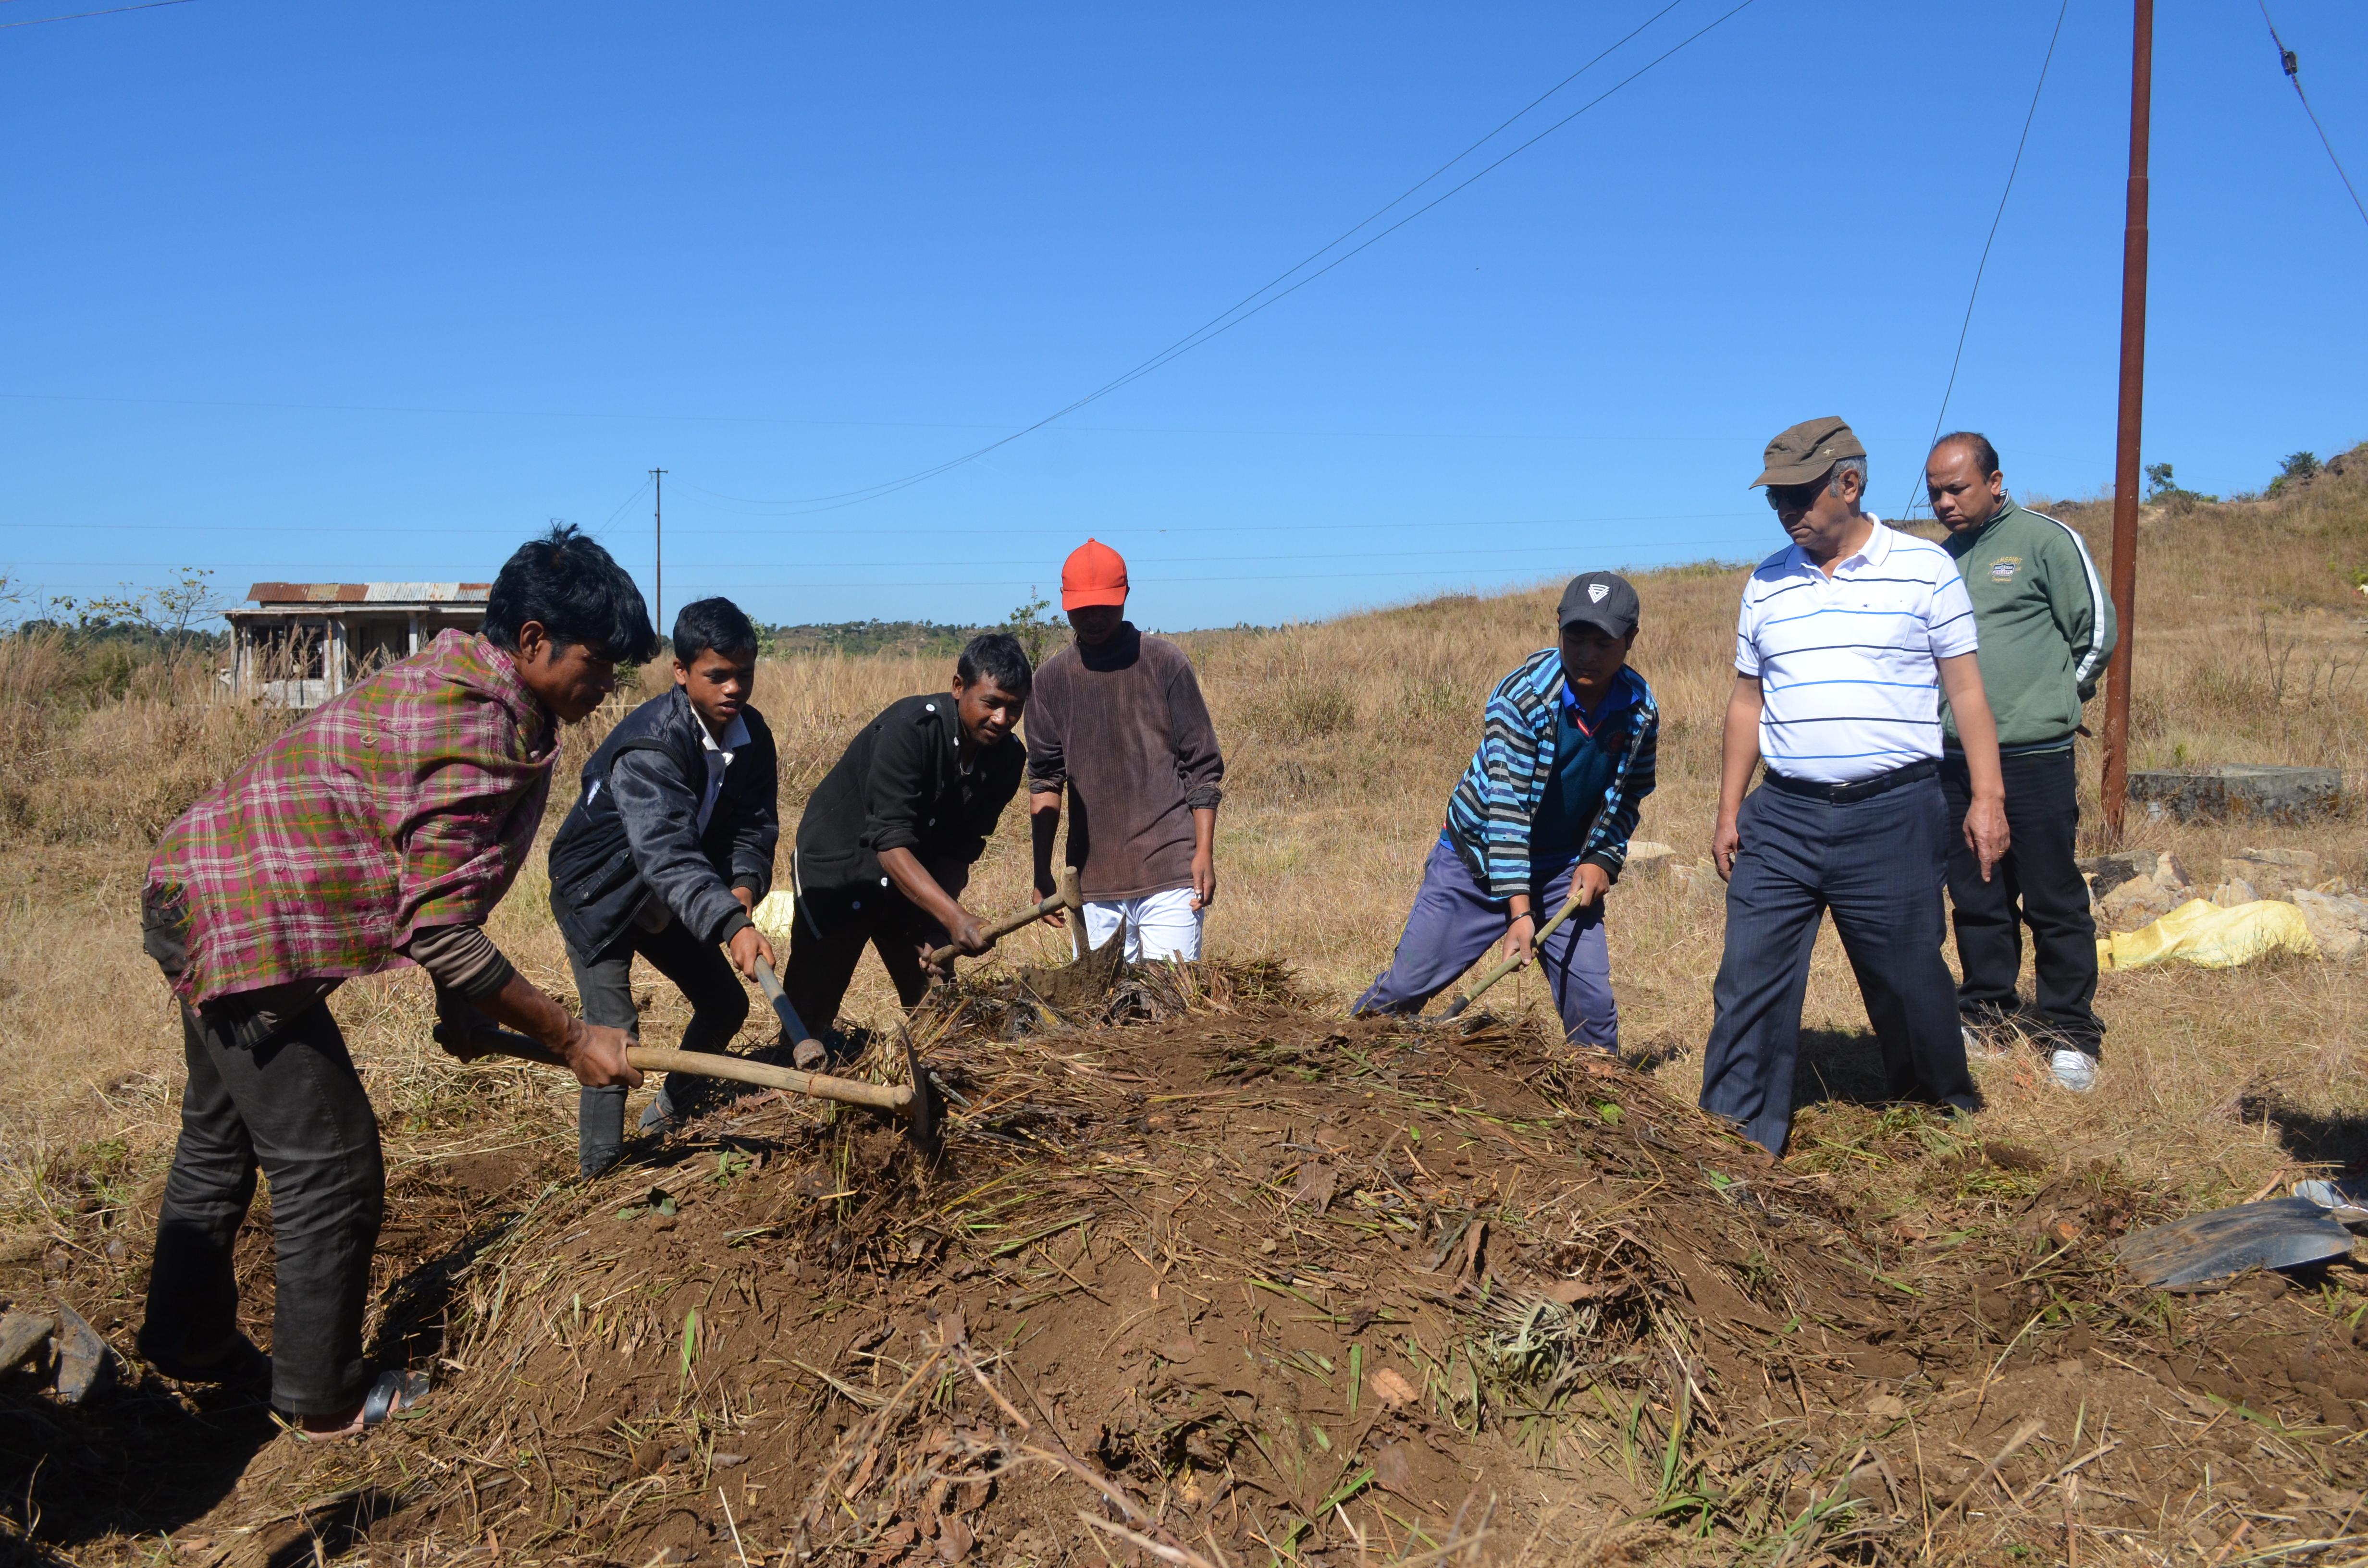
(778, 911)
(2201, 932)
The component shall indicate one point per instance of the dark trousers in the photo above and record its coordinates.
(294, 1105)
(1454, 921)
(1876, 865)
(2040, 875)
(833, 927)
(604, 989)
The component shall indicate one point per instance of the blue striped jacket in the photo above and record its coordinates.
(1488, 816)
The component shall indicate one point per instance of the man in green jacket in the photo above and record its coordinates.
(2047, 629)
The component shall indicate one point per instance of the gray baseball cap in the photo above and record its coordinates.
(1600, 599)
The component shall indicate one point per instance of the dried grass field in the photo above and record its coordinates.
(1663, 1441)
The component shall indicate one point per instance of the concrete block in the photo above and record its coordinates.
(2258, 791)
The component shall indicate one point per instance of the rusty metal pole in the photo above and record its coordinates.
(2114, 786)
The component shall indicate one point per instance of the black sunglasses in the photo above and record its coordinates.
(1797, 497)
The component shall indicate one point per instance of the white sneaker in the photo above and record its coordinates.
(1980, 1045)
(2075, 1070)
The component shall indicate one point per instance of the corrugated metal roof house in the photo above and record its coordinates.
(306, 641)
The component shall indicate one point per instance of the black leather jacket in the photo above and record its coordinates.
(635, 829)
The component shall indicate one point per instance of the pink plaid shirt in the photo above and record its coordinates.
(410, 801)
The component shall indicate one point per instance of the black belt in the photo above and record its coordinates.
(1863, 789)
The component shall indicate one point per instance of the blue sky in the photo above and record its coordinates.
(371, 292)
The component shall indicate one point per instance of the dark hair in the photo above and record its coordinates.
(579, 594)
(1985, 456)
(712, 626)
(996, 653)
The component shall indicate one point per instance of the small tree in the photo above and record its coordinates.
(2165, 490)
(192, 598)
(1031, 625)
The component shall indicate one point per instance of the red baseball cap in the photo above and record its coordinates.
(1093, 575)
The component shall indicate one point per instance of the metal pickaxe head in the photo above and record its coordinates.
(925, 1114)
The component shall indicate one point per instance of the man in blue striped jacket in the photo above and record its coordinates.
(1543, 814)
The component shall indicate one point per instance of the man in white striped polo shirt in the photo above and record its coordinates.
(1847, 637)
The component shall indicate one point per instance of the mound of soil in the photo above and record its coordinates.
(1244, 1281)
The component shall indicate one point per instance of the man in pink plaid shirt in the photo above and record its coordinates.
(379, 830)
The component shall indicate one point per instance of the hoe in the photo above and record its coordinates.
(915, 1102)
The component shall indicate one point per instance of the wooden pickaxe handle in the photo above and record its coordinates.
(485, 1042)
(1570, 907)
(1577, 883)
(1067, 899)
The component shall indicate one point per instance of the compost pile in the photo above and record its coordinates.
(1239, 1280)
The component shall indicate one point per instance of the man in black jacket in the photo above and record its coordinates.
(668, 847)
(888, 839)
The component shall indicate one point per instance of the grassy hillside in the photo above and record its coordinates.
(1343, 738)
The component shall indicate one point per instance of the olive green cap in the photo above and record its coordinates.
(1808, 451)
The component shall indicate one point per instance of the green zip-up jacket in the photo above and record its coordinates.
(2045, 624)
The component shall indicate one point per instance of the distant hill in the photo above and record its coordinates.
(920, 637)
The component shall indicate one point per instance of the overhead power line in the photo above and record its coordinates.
(2293, 74)
(78, 15)
(1272, 293)
(1981, 267)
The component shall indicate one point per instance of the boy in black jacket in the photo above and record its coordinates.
(886, 844)
(669, 845)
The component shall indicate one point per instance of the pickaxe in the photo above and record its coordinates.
(1571, 905)
(916, 1102)
(1068, 898)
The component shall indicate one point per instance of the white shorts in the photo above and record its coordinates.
(1160, 926)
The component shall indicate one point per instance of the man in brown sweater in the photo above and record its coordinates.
(1118, 718)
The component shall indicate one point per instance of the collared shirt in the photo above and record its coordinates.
(1584, 768)
(902, 784)
(719, 757)
(407, 801)
(1847, 665)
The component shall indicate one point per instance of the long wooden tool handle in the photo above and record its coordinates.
(1570, 908)
(898, 1097)
(715, 1065)
(1005, 927)
(1638, 731)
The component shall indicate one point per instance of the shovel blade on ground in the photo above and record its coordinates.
(2284, 1232)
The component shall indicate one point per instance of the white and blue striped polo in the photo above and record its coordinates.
(1845, 663)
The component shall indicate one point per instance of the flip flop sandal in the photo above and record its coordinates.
(393, 1394)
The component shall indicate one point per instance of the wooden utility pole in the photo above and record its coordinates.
(657, 524)
(2114, 786)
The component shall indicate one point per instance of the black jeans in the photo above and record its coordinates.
(2039, 873)
(1875, 865)
(604, 988)
(832, 930)
(294, 1105)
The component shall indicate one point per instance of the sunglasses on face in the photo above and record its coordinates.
(1795, 497)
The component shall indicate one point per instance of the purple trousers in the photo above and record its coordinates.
(1453, 922)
